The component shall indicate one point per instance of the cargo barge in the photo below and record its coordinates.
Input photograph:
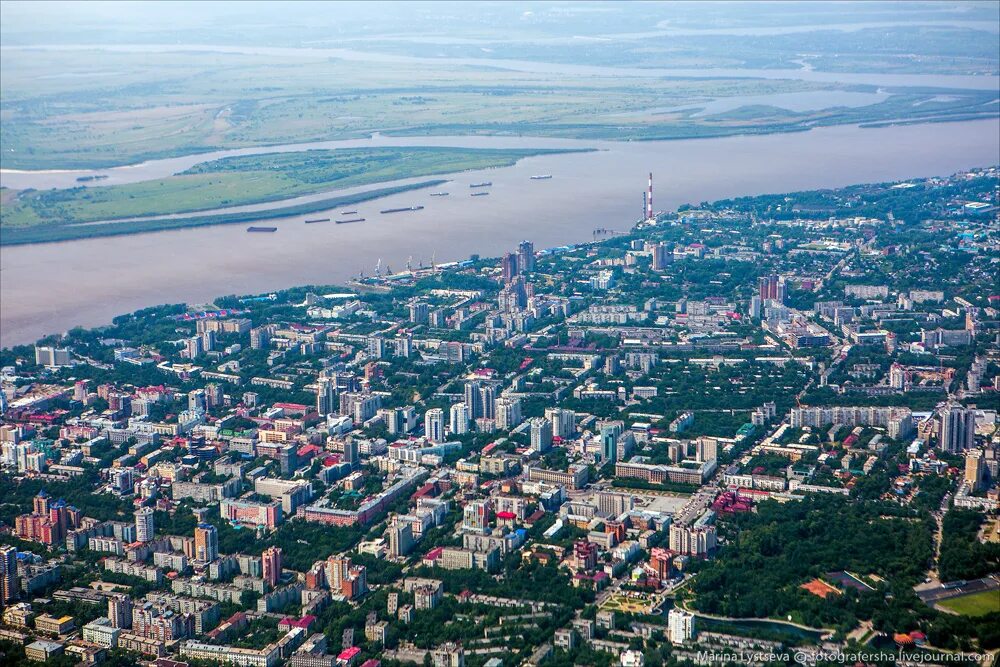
(439, 194)
(344, 222)
(262, 229)
(484, 184)
(401, 210)
(541, 177)
(309, 222)
(479, 194)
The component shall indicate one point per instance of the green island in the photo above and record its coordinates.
(238, 181)
(50, 233)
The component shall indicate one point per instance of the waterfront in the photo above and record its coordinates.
(51, 287)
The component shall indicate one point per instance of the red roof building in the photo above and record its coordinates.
(348, 655)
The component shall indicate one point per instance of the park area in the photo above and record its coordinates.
(630, 603)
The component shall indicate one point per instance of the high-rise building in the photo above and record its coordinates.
(509, 266)
(260, 338)
(271, 562)
(351, 452)
(206, 543)
(563, 422)
(214, 395)
(400, 420)
(193, 347)
(326, 395)
(346, 579)
(897, 377)
(419, 312)
(680, 626)
(974, 467)
(958, 429)
(693, 540)
(488, 401)
(400, 538)
(8, 574)
(613, 365)
(474, 399)
(197, 401)
(767, 287)
(755, 306)
(145, 526)
(541, 435)
(526, 257)
(336, 570)
(662, 256)
(404, 346)
(52, 356)
(376, 346)
(120, 611)
(438, 318)
(609, 444)
(706, 449)
(459, 418)
(81, 390)
(434, 425)
(513, 297)
(508, 412)
(42, 503)
(208, 341)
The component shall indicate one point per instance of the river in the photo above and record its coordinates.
(49, 288)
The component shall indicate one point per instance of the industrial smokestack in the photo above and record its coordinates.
(649, 198)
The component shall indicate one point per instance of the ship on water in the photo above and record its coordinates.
(309, 222)
(262, 229)
(541, 177)
(479, 194)
(484, 184)
(439, 194)
(401, 210)
(348, 212)
(344, 222)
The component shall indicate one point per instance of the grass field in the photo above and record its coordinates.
(111, 108)
(976, 604)
(245, 180)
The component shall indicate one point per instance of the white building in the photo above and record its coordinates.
(434, 424)
(633, 659)
(680, 626)
(100, 631)
(144, 524)
(459, 418)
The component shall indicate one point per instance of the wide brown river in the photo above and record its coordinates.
(52, 287)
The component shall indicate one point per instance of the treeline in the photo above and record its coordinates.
(963, 556)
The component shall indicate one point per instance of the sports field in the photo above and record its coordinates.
(975, 604)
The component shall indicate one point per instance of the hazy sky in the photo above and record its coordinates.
(23, 22)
